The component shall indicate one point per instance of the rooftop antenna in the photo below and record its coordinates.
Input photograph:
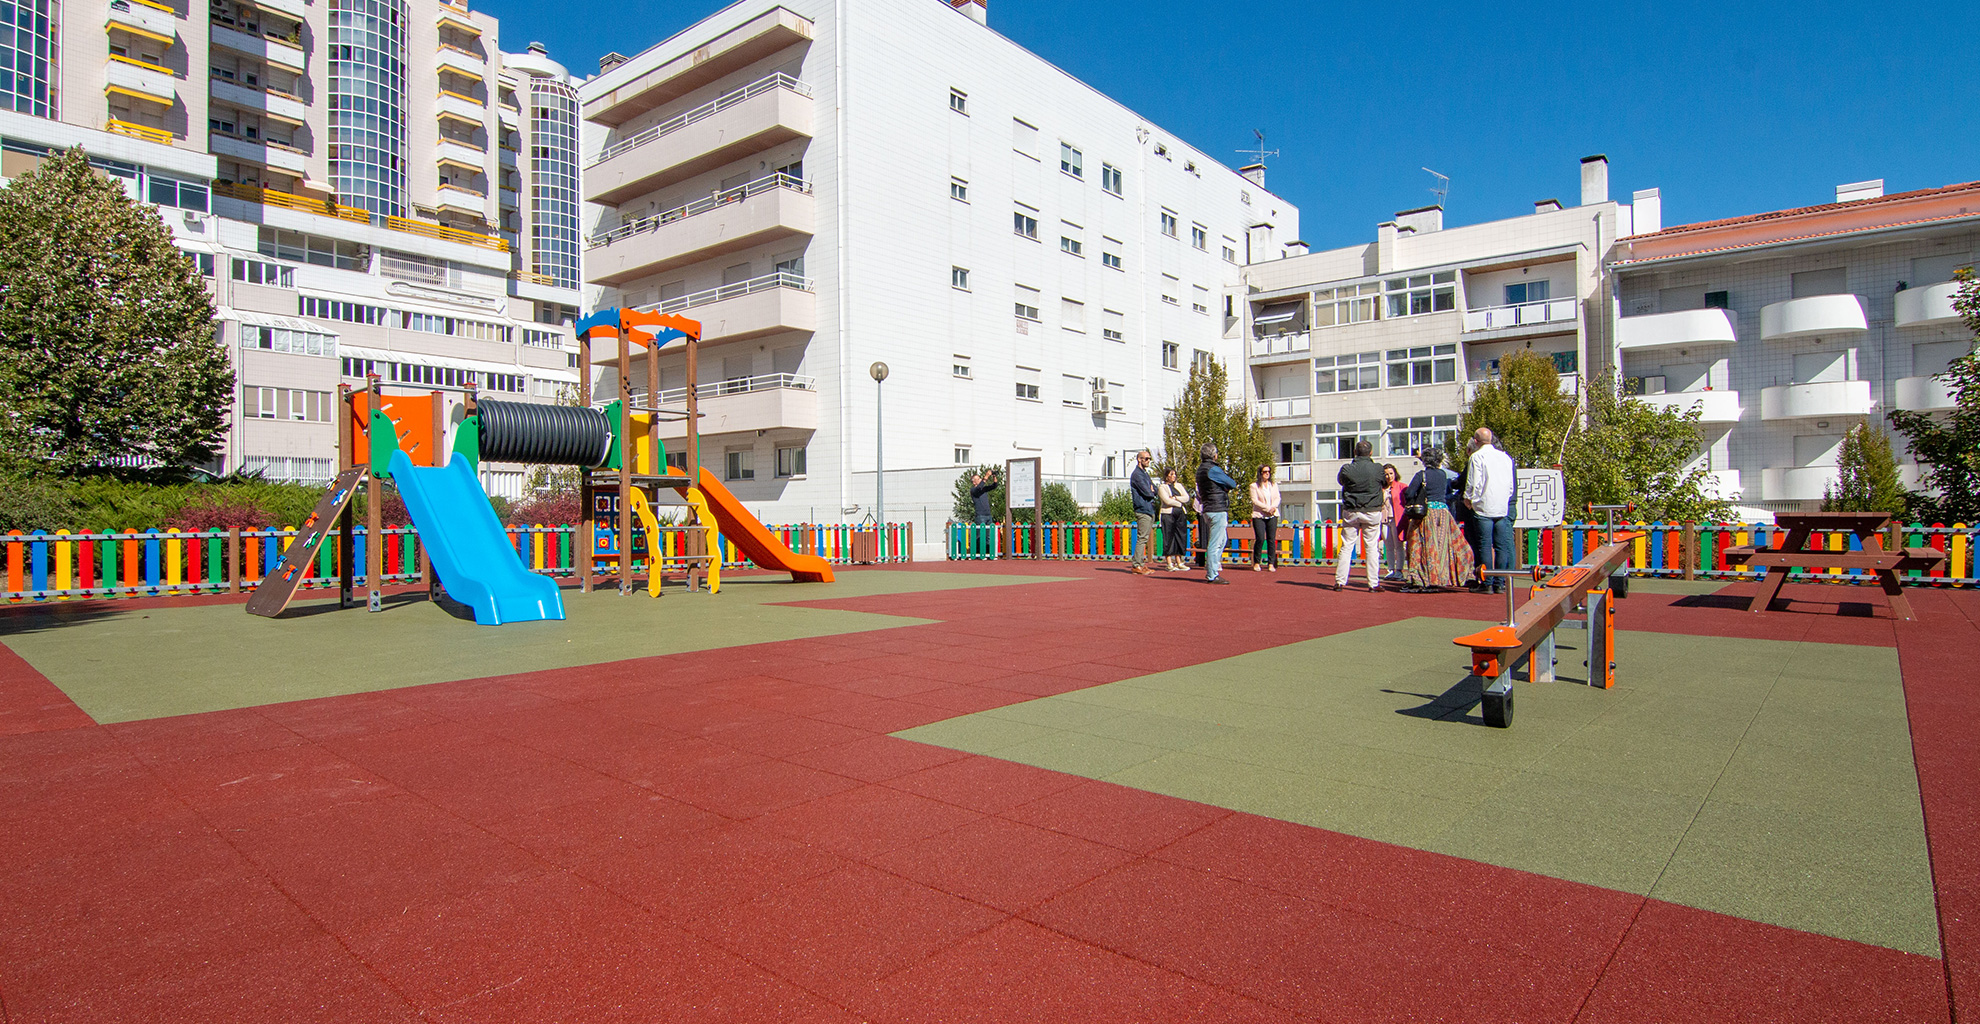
(1258, 155)
(1443, 186)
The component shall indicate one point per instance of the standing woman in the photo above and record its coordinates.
(1439, 557)
(1264, 521)
(1394, 531)
(1175, 521)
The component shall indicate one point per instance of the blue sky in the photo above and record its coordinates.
(1729, 108)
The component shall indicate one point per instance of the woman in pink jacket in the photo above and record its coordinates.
(1393, 535)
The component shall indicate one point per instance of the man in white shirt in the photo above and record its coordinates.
(1488, 490)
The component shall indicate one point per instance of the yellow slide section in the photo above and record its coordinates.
(746, 533)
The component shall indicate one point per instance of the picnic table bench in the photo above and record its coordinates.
(1794, 553)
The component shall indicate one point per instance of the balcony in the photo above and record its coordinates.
(144, 19)
(1682, 329)
(465, 109)
(288, 159)
(1274, 409)
(140, 131)
(509, 198)
(285, 53)
(771, 304)
(1812, 316)
(1281, 347)
(295, 10)
(1837, 398)
(1293, 472)
(457, 20)
(279, 105)
(1796, 483)
(460, 153)
(322, 208)
(727, 54)
(454, 198)
(771, 207)
(1725, 483)
(1527, 314)
(448, 57)
(761, 114)
(131, 77)
(771, 401)
(1930, 306)
(1922, 394)
(1719, 407)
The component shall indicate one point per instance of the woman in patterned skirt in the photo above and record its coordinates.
(1439, 558)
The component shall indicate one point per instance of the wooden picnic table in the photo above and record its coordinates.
(1794, 553)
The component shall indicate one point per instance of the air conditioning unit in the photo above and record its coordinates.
(1102, 403)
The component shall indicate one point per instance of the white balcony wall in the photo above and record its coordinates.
(1493, 318)
(1840, 398)
(1922, 394)
(142, 17)
(698, 141)
(1812, 316)
(1719, 407)
(1930, 306)
(1684, 328)
(721, 224)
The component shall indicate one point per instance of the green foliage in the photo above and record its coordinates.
(965, 507)
(1947, 444)
(1202, 414)
(1633, 453)
(1060, 505)
(1525, 409)
(1115, 507)
(1866, 476)
(107, 346)
(103, 505)
(29, 505)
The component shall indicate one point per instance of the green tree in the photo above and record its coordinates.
(1947, 444)
(107, 349)
(965, 507)
(1629, 452)
(1060, 505)
(1202, 414)
(1866, 475)
(1525, 409)
(1115, 507)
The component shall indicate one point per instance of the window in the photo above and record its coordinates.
(1426, 364)
(1113, 325)
(1422, 293)
(335, 309)
(959, 190)
(297, 247)
(1025, 224)
(1110, 179)
(1111, 260)
(1411, 436)
(1340, 438)
(185, 195)
(1027, 384)
(430, 323)
(1357, 372)
(1073, 391)
(1024, 137)
(790, 461)
(286, 404)
(741, 465)
(1527, 291)
(542, 339)
(1168, 223)
(963, 455)
(1565, 362)
(1171, 356)
(256, 272)
(281, 339)
(1072, 245)
(1230, 254)
(1199, 237)
(1348, 304)
(959, 101)
(1027, 304)
(1199, 299)
(1072, 315)
(202, 260)
(1171, 288)
(959, 278)
(1070, 161)
(960, 368)
(1199, 361)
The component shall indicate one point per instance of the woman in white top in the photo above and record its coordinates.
(1264, 521)
(1175, 522)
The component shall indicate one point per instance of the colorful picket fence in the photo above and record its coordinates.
(1664, 550)
(65, 565)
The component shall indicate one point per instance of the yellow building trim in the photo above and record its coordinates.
(134, 94)
(140, 131)
(136, 63)
(141, 32)
(462, 118)
(448, 161)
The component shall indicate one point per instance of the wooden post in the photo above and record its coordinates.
(1688, 550)
(346, 459)
(233, 559)
(910, 542)
(692, 457)
(585, 541)
(374, 516)
(625, 456)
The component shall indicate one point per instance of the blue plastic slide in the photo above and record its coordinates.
(468, 547)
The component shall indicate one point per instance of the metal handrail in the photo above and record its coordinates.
(740, 386)
(136, 63)
(322, 208)
(779, 279)
(774, 180)
(140, 131)
(722, 102)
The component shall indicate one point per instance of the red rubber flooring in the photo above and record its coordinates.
(732, 836)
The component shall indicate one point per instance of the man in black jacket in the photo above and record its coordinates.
(985, 482)
(1363, 504)
(1141, 487)
(1213, 489)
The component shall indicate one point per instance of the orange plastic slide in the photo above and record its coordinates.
(746, 533)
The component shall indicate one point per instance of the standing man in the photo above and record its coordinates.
(1213, 489)
(1141, 487)
(983, 483)
(1363, 497)
(1488, 489)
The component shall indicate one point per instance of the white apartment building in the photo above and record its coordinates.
(826, 184)
(1384, 341)
(1790, 327)
(368, 186)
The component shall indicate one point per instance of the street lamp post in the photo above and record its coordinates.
(879, 372)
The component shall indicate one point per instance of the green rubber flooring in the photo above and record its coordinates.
(1768, 780)
(152, 662)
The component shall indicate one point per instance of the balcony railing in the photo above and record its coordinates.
(1283, 408)
(706, 110)
(735, 195)
(779, 279)
(1281, 344)
(1293, 473)
(330, 208)
(136, 63)
(741, 386)
(1493, 318)
(139, 131)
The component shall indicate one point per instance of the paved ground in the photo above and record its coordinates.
(1139, 799)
